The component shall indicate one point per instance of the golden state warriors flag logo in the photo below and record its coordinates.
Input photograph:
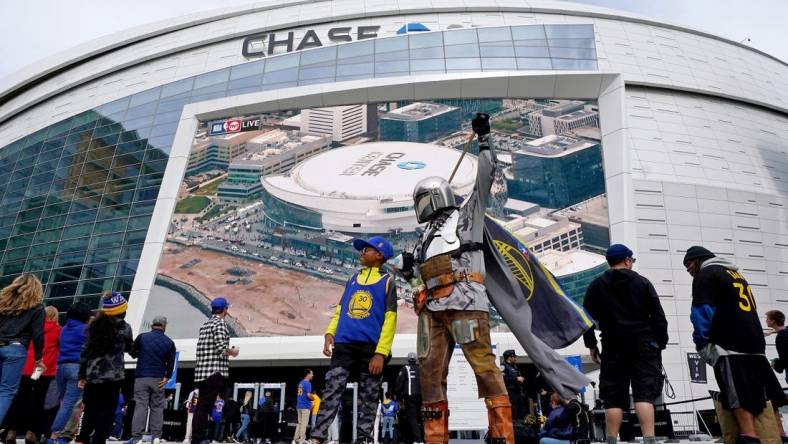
(557, 320)
(360, 305)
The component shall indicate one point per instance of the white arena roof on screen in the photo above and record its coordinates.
(370, 185)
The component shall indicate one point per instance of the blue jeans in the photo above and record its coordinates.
(117, 428)
(67, 379)
(243, 430)
(388, 427)
(12, 360)
(546, 440)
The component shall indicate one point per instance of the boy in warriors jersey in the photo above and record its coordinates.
(358, 338)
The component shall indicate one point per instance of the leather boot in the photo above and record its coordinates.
(436, 422)
(499, 418)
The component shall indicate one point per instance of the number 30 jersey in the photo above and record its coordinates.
(367, 313)
(724, 309)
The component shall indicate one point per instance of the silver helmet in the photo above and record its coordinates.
(431, 196)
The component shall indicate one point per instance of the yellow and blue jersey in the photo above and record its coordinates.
(367, 312)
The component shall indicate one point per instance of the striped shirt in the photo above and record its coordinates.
(212, 345)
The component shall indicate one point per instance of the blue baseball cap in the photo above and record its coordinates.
(219, 304)
(382, 245)
(618, 252)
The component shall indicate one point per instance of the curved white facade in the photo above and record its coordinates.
(694, 127)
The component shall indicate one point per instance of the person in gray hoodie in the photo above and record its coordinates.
(634, 330)
(728, 335)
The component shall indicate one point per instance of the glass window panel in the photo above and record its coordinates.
(43, 237)
(52, 222)
(141, 208)
(319, 55)
(176, 104)
(347, 77)
(211, 78)
(247, 70)
(59, 128)
(177, 87)
(103, 255)
(26, 228)
(47, 166)
(114, 212)
(392, 56)
(429, 65)
(82, 217)
(100, 270)
(240, 91)
(151, 180)
(316, 73)
(138, 223)
(123, 285)
(41, 263)
(13, 267)
(66, 274)
(528, 33)
(107, 241)
(427, 53)
(402, 66)
(96, 286)
(282, 62)
(141, 111)
(55, 142)
(503, 49)
(136, 237)
(391, 44)
(459, 36)
(245, 82)
(531, 51)
(497, 34)
(110, 226)
(128, 267)
(572, 53)
(572, 43)
(462, 51)
(356, 69)
(498, 63)
(84, 119)
(62, 290)
(146, 193)
(77, 231)
(17, 254)
(357, 49)
(25, 163)
(150, 95)
(523, 63)
(286, 75)
(425, 40)
(29, 215)
(578, 65)
(569, 31)
(20, 241)
(209, 90)
(131, 252)
(163, 130)
(114, 107)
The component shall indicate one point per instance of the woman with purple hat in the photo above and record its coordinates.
(101, 367)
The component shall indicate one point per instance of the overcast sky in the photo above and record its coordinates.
(33, 30)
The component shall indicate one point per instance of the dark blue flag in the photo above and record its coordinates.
(557, 320)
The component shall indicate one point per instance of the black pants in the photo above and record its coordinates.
(209, 388)
(100, 400)
(27, 410)
(518, 403)
(414, 431)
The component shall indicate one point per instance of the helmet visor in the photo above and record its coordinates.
(423, 206)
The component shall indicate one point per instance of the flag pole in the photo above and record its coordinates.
(462, 156)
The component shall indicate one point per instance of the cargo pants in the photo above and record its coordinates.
(438, 332)
(368, 392)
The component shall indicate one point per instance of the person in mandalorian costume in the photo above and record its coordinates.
(456, 273)
(452, 303)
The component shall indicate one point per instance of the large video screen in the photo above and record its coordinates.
(269, 204)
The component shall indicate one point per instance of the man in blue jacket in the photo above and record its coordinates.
(155, 353)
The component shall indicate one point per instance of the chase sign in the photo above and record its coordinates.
(263, 44)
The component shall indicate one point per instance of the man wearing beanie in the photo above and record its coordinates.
(728, 335)
(634, 332)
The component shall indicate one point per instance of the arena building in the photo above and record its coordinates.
(95, 141)
(365, 188)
